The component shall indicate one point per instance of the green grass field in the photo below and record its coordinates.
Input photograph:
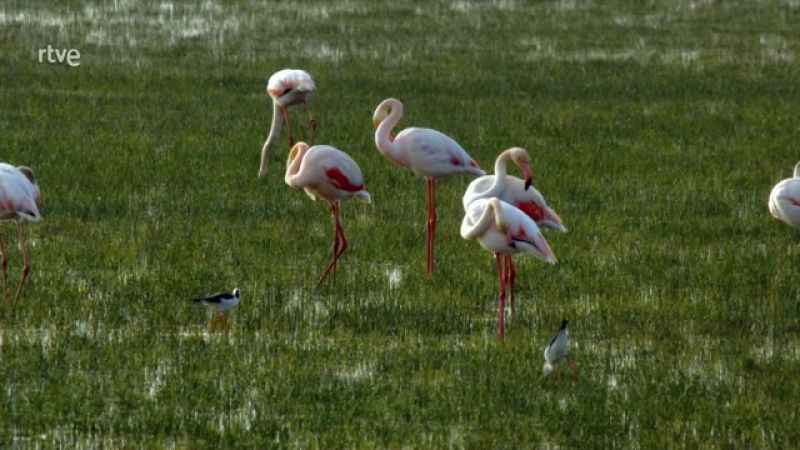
(657, 130)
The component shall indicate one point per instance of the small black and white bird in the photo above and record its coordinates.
(220, 302)
(556, 351)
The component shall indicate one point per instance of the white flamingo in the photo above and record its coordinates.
(517, 192)
(427, 152)
(287, 87)
(784, 200)
(19, 200)
(328, 173)
(504, 230)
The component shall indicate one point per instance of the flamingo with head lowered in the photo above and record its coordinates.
(287, 87)
(504, 229)
(516, 192)
(427, 152)
(784, 200)
(19, 200)
(328, 173)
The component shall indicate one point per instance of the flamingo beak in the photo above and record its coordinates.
(526, 170)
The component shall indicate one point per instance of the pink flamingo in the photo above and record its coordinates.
(504, 230)
(19, 200)
(427, 152)
(516, 192)
(784, 200)
(328, 173)
(287, 87)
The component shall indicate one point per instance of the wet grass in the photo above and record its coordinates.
(656, 131)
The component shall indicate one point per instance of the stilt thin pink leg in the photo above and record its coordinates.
(312, 122)
(431, 223)
(27, 264)
(501, 299)
(5, 270)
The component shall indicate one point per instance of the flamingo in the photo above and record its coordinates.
(19, 200)
(328, 173)
(517, 192)
(504, 230)
(287, 87)
(784, 200)
(427, 152)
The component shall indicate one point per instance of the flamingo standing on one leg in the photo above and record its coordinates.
(428, 152)
(504, 230)
(287, 87)
(328, 173)
(516, 192)
(19, 200)
(784, 200)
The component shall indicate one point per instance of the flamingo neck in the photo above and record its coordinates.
(296, 156)
(384, 139)
(274, 134)
(500, 171)
(492, 214)
(797, 170)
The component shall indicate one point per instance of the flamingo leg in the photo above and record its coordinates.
(312, 122)
(501, 299)
(339, 244)
(288, 126)
(511, 277)
(431, 223)
(26, 268)
(5, 270)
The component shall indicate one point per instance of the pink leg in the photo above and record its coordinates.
(574, 373)
(5, 270)
(431, 223)
(27, 264)
(288, 126)
(312, 122)
(511, 276)
(339, 244)
(501, 299)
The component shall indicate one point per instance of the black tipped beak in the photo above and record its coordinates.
(528, 183)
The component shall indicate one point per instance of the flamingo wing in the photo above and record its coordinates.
(784, 201)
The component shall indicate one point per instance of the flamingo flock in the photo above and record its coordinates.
(503, 213)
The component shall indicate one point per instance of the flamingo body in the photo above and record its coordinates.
(19, 201)
(287, 87)
(427, 152)
(504, 230)
(328, 173)
(784, 200)
(513, 190)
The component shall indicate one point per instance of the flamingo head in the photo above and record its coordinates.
(28, 172)
(384, 109)
(523, 161)
(297, 150)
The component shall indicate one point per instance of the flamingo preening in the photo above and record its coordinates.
(504, 230)
(328, 173)
(427, 152)
(19, 200)
(287, 87)
(517, 192)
